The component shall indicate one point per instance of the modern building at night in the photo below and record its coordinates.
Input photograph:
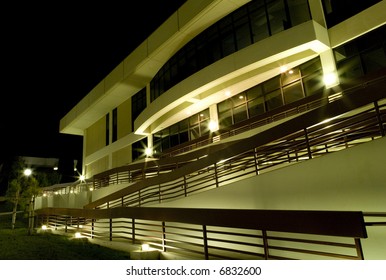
(266, 104)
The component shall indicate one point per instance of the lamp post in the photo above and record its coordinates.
(28, 172)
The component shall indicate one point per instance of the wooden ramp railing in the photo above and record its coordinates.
(220, 233)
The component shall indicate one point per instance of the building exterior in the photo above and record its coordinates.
(220, 77)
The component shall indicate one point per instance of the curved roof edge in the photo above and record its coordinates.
(139, 67)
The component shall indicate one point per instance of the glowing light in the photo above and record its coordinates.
(56, 168)
(213, 126)
(82, 178)
(228, 93)
(44, 227)
(290, 71)
(27, 172)
(330, 79)
(148, 152)
(283, 69)
(78, 235)
(145, 247)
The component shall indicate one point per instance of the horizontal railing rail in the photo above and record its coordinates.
(375, 218)
(220, 233)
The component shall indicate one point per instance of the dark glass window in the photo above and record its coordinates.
(278, 20)
(186, 130)
(250, 23)
(138, 149)
(361, 56)
(256, 107)
(272, 84)
(290, 76)
(225, 119)
(242, 28)
(299, 11)
(115, 125)
(273, 100)
(311, 72)
(285, 88)
(138, 104)
(107, 135)
(337, 11)
(292, 92)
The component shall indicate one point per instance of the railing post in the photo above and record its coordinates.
(215, 174)
(265, 242)
(139, 198)
(256, 162)
(92, 228)
(133, 230)
(185, 187)
(159, 194)
(65, 225)
(358, 246)
(111, 229)
(307, 144)
(379, 119)
(205, 238)
(163, 237)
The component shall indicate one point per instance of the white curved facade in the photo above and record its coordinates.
(109, 104)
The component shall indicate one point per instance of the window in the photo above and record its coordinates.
(361, 56)
(138, 149)
(285, 88)
(107, 135)
(115, 125)
(249, 24)
(186, 130)
(138, 104)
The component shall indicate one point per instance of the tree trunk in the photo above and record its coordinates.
(31, 215)
(14, 212)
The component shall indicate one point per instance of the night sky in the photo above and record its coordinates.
(53, 55)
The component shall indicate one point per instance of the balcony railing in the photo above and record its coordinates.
(362, 117)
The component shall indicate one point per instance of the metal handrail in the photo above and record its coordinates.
(295, 140)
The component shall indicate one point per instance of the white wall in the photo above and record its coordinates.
(76, 200)
(349, 180)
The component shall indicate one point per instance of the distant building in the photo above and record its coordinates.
(47, 164)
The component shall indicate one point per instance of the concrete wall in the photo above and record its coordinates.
(349, 180)
(75, 200)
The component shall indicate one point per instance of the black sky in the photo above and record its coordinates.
(53, 55)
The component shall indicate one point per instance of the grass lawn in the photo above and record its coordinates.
(18, 245)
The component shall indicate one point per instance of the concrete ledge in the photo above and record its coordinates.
(145, 255)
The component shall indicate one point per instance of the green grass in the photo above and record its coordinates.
(16, 244)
